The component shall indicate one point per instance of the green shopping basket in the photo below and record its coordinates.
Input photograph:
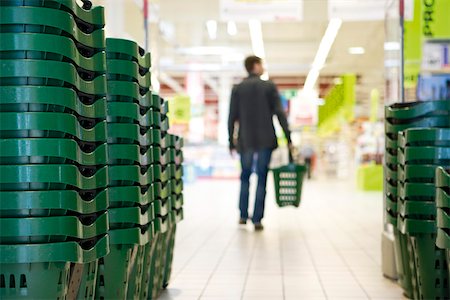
(288, 184)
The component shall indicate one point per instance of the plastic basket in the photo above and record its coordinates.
(83, 279)
(127, 70)
(86, 15)
(128, 50)
(48, 99)
(34, 280)
(50, 21)
(288, 184)
(402, 260)
(113, 272)
(169, 255)
(49, 203)
(412, 110)
(136, 274)
(147, 280)
(432, 268)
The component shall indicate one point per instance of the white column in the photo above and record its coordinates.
(225, 87)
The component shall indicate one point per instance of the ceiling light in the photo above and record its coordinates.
(356, 50)
(322, 53)
(392, 46)
(256, 37)
(211, 27)
(206, 50)
(231, 28)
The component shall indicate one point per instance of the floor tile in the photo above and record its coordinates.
(318, 251)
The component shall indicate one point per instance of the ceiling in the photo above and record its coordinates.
(290, 46)
(178, 36)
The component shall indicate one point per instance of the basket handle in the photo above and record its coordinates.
(291, 157)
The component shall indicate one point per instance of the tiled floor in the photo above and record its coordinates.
(329, 248)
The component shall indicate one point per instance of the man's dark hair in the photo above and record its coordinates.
(251, 61)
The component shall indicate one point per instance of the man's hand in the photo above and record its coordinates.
(232, 152)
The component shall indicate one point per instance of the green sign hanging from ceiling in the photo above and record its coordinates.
(431, 21)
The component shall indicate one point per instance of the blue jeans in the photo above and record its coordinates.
(262, 159)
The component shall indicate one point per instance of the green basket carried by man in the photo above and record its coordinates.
(288, 183)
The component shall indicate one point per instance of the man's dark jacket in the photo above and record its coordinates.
(254, 102)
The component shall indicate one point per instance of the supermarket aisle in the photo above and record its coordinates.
(327, 249)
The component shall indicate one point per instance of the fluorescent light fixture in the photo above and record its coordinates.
(256, 37)
(392, 46)
(356, 50)
(211, 27)
(322, 53)
(233, 57)
(231, 28)
(206, 50)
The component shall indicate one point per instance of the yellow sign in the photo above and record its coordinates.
(180, 109)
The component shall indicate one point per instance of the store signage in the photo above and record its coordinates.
(430, 21)
(435, 18)
(180, 109)
(290, 94)
(262, 10)
(413, 46)
(357, 10)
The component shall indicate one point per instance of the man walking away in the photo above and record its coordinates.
(254, 102)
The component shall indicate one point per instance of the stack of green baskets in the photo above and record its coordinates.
(53, 175)
(133, 150)
(171, 201)
(177, 214)
(421, 151)
(443, 213)
(399, 117)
